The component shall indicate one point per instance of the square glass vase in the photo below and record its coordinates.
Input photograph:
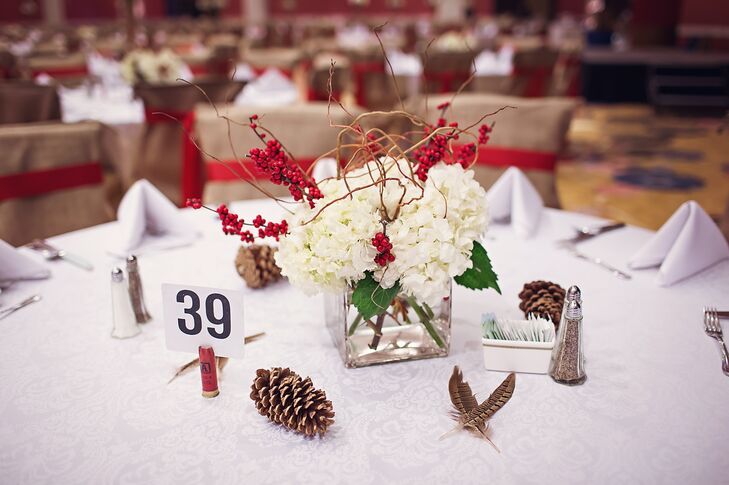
(407, 330)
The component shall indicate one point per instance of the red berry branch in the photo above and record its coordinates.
(234, 226)
(384, 248)
(436, 148)
(275, 162)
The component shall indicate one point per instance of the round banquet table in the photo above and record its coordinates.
(81, 407)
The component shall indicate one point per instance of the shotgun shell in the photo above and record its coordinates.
(208, 371)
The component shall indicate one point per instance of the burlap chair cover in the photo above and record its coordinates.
(25, 102)
(533, 72)
(70, 70)
(319, 76)
(160, 151)
(205, 66)
(53, 146)
(303, 129)
(445, 71)
(491, 85)
(7, 64)
(535, 125)
(285, 59)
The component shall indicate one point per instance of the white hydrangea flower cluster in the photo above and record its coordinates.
(432, 236)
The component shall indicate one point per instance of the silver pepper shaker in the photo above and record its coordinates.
(136, 292)
(125, 324)
(568, 361)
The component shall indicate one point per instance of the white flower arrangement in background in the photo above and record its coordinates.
(152, 67)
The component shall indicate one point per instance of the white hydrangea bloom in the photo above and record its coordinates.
(432, 236)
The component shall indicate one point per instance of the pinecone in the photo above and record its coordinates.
(256, 266)
(287, 399)
(544, 299)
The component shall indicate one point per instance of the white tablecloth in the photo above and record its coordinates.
(80, 407)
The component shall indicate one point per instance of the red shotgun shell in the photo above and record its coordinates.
(208, 371)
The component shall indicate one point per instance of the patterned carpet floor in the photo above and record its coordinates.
(627, 163)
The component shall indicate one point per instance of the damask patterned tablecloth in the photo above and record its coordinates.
(80, 407)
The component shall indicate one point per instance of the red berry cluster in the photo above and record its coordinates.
(432, 152)
(464, 155)
(274, 162)
(234, 226)
(483, 134)
(436, 149)
(270, 229)
(384, 248)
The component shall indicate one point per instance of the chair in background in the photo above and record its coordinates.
(530, 137)
(160, 151)
(533, 72)
(303, 129)
(445, 71)
(69, 70)
(26, 102)
(52, 179)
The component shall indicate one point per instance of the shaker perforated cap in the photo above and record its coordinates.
(574, 293)
(574, 310)
(117, 275)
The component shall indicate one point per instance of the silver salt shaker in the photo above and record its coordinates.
(136, 292)
(125, 323)
(568, 361)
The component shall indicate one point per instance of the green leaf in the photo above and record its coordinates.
(370, 298)
(481, 275)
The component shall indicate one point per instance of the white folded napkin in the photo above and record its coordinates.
(272, 88)
(243, 72)
(513, 196)
(16, 266)
(405, 64)
(148, 221)
(495, 63)
(687, 243)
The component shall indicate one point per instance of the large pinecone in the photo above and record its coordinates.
(256, 266)
(544, 299)
(287, 399)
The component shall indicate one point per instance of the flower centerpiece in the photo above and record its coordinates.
(143, 65)
(385, 238)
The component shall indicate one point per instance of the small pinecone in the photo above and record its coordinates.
(544, 299)
(287, 399)
(256, 266)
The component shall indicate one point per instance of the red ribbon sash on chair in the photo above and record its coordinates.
(538, 79)
(446, 80)
(359, 72)
(258, 70)
(61, 72)
(40, 182)
(516, 157)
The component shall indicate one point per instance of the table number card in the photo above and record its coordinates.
(195, 316)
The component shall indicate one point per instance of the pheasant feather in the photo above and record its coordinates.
(477, 417)
(461, 395)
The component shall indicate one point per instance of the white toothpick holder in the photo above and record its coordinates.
(517, 356)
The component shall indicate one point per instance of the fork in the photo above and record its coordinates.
(712, 327)
(584, 233)
(7, 311)
(50, 253)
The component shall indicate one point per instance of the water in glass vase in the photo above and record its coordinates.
(407, 330)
